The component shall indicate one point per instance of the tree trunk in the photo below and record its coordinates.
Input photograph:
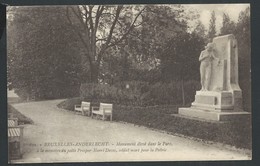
(94, 72)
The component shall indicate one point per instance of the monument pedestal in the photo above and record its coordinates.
(211, 105)
(215, 101)
(212, 115)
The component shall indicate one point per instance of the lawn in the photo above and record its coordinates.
(165, 118)
(21, 118)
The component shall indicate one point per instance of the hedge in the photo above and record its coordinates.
(140, 93)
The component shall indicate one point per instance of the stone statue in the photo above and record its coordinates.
(206, 58)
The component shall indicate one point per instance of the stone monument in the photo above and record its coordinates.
(220, 97)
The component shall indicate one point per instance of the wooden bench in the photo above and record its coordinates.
(104, 110)
(84, 108)
(15, 139)
(12, 122)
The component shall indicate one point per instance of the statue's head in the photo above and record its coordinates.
(210, 46)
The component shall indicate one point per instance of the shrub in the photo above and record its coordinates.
(164, 93)
(113, 94)
(140, 93)
(69, 104)
(170, 93)
(191, 87)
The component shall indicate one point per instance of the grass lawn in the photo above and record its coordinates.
(21, 118)
(12, 100)
(236, 133)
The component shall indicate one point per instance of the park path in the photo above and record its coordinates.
(53, 126)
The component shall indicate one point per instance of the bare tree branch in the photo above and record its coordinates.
(104, 46)
(98, 15)
(85, 8)
(87, 17)
(119, 8)
(90, 19)
(128, 31)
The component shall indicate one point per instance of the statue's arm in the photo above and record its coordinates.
(216, 58)
(202, 56)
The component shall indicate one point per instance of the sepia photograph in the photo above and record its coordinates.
(129, 83)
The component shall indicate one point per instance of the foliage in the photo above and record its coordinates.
(228, 26)
(137, 51)
(200, 30)
(140, 93)
(70, 103)
(37, 71)
(115, 46)
(116, 66)
(179, 60)
(100, 28)
(114, 94)
(41, 62)
(243, 36)
(160, 23)
(212, 27)
(162, 93)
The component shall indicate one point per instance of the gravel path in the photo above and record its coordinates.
(62, 136)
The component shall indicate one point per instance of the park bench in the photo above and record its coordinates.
(12, 122)
(84, 108)
(104, 110)
(15, 139)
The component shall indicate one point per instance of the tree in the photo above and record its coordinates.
(100, 28)
(43, 55)
(228, 26)
(200, 29)
(116, 65)
(179, 61)
(160, 24)
(212, 26)
(243, 36)
(139, 52)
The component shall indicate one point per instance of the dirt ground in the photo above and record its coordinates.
(62, 136)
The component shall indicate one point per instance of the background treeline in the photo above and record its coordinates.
(149, 58)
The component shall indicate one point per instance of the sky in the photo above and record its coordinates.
(205, 10)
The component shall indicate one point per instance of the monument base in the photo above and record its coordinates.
(214, 105)
(215, 101)
(212, 115)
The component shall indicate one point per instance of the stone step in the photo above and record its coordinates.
(214, 108)
(212, 115)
